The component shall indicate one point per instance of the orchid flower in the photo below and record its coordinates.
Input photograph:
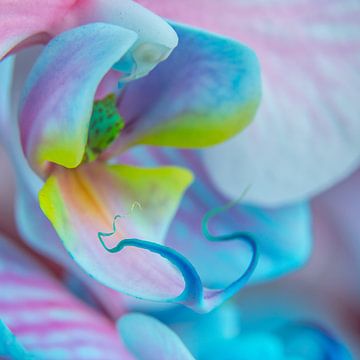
(305, 137)
(40, 319)
(84, 103)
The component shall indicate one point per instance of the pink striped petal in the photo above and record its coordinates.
(34, 227)
(113, 220)
(306, 134)
(84, 202)
(27, 23)
(149, 339)
(59, 94)
(155, 38)
(24, 23)
(283, 235)
(47, 320)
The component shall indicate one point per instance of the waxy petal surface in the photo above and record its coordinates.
(59, 93)
(283, 236)
(149, 339)
(6, 71)
(205, 92)
(114, 224)
(156, 39)
(47, 320)
(24, 23)
(84, 202)
(306, 134)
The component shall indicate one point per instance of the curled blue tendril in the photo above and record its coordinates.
(194, 294)
(246, 237)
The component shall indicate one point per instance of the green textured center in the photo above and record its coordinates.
(105, 126)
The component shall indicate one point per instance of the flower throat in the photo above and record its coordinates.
(105, 126)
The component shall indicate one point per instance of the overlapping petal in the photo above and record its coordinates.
(283, 236)
(26, 23)
(156, 39)
(205, 92)
(306, 133)
(59, 93)
(49, 322)
(84, 202)
(114, 225)
(6, 71)
(149, 339)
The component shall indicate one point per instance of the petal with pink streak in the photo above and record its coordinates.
(58, 96)
(113, 221)
(24, 23)
(84, 202)
(47, 320)
(205, 92)
(38, 233)
(283, 235)
(149, 339)
(306, 133)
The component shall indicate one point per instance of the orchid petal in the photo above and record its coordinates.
(23, 24)
(39, 234)
(156, 39)
(230, 330)
(283, 236)
(83, 203)
(206, 91)
(10, 346)
(7, 175)
(305, 137)
(113, 225)
(6, 72)
(47, 320)
(196, 330)
(26, 23)
(310, 341)
(31, 222)
(149, 339)
(67, 72)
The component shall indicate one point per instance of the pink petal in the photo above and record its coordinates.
(24, 23)
(84, 202)
(47, 320)
(306, 134)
